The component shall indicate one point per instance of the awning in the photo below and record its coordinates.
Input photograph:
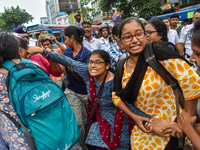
(185, 14)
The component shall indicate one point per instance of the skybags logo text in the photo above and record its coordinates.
(43, 96)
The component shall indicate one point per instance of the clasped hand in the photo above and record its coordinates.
(164, 128)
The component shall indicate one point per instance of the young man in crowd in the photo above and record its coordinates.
(48, 43)
(116, 51)
(106, 40)
(184, 45)
(90, 42)
(174, 19)
(171, 34)
(78, 20)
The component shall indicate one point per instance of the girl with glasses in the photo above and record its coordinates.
(156, 30)
(109, 125)
(139, 85)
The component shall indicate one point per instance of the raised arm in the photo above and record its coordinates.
(60, 45)
(79, 67)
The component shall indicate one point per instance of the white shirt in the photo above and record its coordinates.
(78, 24)
(185, 37)
(105, 45)
(32, 42)
(173, 36)
(94, 44)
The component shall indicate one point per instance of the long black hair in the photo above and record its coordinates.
(78, 33)
(8, 47)
(115, 30)
(160, 27)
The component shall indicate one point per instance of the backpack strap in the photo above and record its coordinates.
(120, 65)
(168, 78)
(8, 64)
(27, 134)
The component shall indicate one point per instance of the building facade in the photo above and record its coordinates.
(44, 20)
(52, 10)
(69, 6)
(57, 8)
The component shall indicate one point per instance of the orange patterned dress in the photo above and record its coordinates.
(156, 99)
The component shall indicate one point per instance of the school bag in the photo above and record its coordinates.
(46, 118)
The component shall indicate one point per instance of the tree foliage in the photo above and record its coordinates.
(146, 8)
(14, 17)
(128, 8)
(2, 23)
(86, 10)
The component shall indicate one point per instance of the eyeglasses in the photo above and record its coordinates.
(149, 32)
(130, 37)
(96, 63)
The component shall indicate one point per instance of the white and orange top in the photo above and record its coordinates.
(156, 99)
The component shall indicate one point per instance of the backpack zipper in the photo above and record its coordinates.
(39, 79)
(23, 111)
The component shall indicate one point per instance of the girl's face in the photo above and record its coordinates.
(97, 66)
(22, 53)
(133, 38)
(152, 33)
(195, 57)
(68, 41)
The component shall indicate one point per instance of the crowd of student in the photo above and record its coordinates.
(136, 108)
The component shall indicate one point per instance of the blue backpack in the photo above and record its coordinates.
(41, 106)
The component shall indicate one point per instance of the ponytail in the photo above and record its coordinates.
(78, 33)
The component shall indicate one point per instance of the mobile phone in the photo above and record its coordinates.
(47, 36)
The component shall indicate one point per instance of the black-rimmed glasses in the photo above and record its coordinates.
(96, 63)
(149, 32)
(130, 37)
